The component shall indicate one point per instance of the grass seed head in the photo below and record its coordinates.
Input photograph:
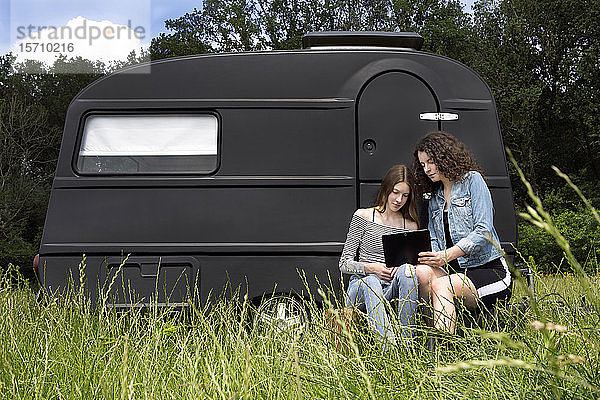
(549, 326)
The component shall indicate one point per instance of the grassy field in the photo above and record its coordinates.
(65, 349)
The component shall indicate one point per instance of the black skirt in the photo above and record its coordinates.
(492, 281)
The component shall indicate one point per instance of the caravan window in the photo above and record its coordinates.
(142, 144)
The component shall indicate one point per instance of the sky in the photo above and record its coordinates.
(107, 29)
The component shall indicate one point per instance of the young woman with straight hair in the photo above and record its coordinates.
(372, 282)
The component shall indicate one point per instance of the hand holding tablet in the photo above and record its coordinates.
(432, 258)
(404, 247)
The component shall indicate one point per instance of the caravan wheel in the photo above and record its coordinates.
(282, 314)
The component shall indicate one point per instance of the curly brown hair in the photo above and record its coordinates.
(450, 156)
(397, 174)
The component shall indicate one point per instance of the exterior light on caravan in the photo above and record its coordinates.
(36, 264)
(438, 116)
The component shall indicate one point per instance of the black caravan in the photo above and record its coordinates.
(245, 168)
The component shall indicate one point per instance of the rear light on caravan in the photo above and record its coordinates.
(36, 263)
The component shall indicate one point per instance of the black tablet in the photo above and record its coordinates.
(404, 247)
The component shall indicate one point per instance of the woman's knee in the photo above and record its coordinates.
(424, 273)
(369, 283)
(441, 286)
(464, 288)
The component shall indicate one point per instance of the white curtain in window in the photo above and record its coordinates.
(148, 135)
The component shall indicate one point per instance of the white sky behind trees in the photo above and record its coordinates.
(106, 17)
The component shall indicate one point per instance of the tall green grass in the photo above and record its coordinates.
(62, 347)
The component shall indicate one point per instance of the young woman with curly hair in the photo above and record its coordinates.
(373, 283)
(464, 262)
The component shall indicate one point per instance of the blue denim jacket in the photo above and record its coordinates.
(470, 216)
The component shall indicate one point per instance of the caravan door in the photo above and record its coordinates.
(389, 126)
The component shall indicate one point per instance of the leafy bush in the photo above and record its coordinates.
(578, 227)
(16, 251)
(573, 220)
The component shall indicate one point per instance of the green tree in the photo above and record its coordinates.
(244, 25)
(26, 140)
(541, 61)
(32, 113)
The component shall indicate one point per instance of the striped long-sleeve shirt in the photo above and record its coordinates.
(365, 236)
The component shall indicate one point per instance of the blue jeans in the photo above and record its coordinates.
(374, 293)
